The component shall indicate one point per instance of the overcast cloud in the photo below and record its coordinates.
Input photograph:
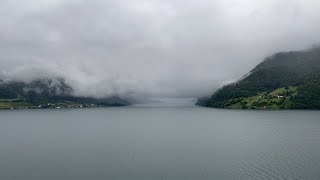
(152, 48)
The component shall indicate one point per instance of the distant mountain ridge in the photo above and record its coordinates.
(286, 80)
(49, 93)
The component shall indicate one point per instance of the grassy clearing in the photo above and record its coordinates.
(277, 99)
(15, 105)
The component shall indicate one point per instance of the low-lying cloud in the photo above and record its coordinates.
(149, 48)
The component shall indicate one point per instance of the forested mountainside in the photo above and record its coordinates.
(286, 80)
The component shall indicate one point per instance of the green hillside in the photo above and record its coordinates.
(288, 80)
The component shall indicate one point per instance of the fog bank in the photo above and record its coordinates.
(149, 48)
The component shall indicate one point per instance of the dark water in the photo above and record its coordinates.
(158, 143)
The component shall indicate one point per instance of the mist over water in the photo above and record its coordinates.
(149, 48)
(161, 55)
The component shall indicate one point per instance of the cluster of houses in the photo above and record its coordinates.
(54, 106)
(48, 106)
(275, 96)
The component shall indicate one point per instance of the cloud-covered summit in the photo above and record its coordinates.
(153, 48)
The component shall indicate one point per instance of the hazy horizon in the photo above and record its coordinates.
(149, 48)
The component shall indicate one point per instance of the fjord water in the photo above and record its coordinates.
(158, 143)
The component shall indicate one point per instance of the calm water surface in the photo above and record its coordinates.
(159, 143)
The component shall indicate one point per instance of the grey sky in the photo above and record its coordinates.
(158, 48)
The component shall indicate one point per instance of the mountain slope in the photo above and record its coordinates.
(288, 80)
(48, 93)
